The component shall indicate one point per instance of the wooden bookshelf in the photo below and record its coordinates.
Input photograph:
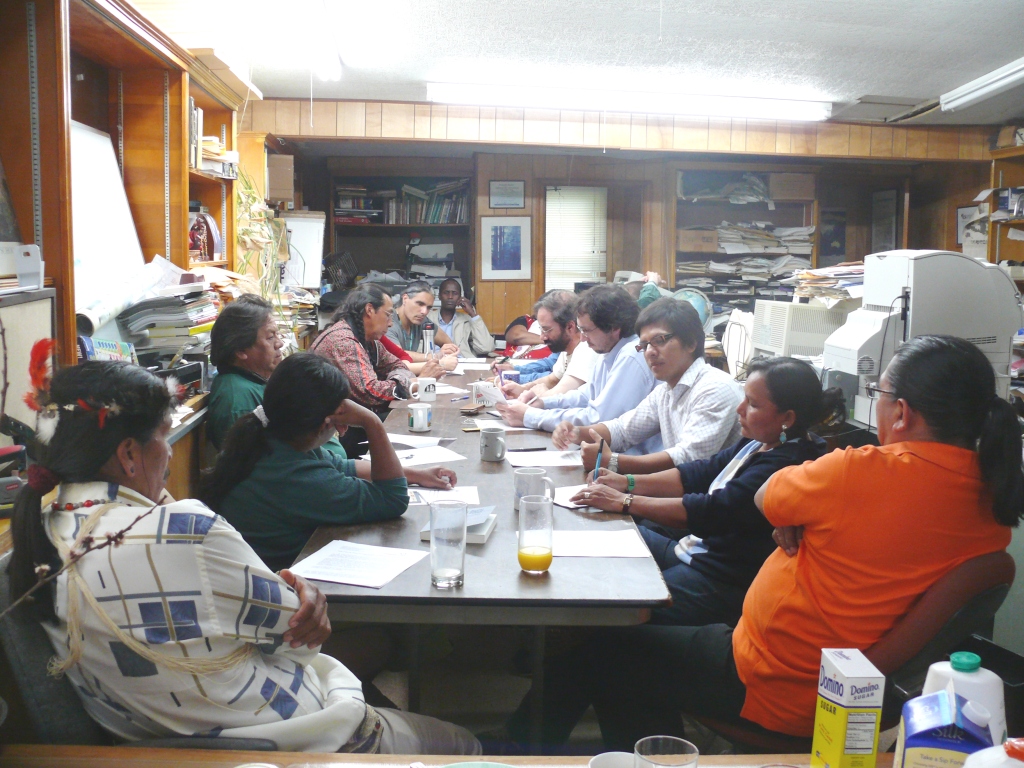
(1007, 171)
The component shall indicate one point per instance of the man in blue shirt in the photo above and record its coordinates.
(606, 317)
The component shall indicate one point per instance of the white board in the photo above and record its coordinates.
(305, 249)
(108, 257)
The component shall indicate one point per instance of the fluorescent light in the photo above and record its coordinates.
(985, 87)
(625, 101)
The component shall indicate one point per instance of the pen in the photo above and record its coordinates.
(457, 399)
(535, 396)
(525, 450)
(597, 467)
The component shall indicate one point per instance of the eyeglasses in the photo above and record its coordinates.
(874, 392)
(658, 342)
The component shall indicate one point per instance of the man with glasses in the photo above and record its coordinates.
(693, 410)
(621, 380)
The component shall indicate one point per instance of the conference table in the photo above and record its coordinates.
(575, 592)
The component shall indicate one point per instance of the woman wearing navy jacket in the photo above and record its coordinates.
(712, 500)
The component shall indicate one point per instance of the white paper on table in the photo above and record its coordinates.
(491, 394)
(544, 458)
(562, 496)
(622, 543)
(472, 359)
(430, 455)
(500, 425)
(458, 370)
(361, 565)
(466, 493)
(414, 441)
(448, 389)
(475, 366)
(474, 516)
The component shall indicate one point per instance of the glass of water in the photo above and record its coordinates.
(447, 543)
(664, 752)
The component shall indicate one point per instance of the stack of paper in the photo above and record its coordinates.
(831, 284)
(466, 493)
(430, 455)
(752, 189)
(763, 237)
(343, 562)
(165, 324)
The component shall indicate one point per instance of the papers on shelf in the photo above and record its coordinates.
(562, 496)
(466, 493)
(448, 389)
(623, 543)
(361, 565)
(500, 425)
(429, 455)
(544, 458)
(414, 441)
(180, 414)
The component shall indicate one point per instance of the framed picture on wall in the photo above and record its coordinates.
(507, 194)
(505, 248)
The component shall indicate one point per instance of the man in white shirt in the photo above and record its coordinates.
(556, 315)
(466, 329)
(606, 317)
(693, 409)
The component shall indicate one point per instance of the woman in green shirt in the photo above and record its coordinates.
(276, 484)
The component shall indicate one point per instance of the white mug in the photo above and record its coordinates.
(476, 390)
(425, 389)
(492, 444)
(531, 481)
(419, 417)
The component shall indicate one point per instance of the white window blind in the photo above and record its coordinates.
(575, 236)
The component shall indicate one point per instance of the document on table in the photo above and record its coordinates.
(448, 389)
(491, 394)
(622, 543)
(544, 458)
(475, 366)
(474, 516)
(458, 370)
(414, 441)
(361, 565)
(430, 455)
(466, 493)
(500, 425)
(562, 496)
(473, 360)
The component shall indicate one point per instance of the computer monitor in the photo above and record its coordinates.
(782, 328)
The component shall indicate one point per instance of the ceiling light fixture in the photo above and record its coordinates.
(985, 87)
(625, 101)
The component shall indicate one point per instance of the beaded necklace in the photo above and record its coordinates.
(69, 506)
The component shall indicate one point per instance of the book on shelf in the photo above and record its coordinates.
(408, 189)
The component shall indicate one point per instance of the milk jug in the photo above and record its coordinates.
(1008, 755)
(974, 683)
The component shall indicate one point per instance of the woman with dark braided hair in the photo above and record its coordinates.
(179, 629)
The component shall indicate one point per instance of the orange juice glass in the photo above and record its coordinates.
(535, 537)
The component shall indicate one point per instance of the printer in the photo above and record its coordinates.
(910, 293)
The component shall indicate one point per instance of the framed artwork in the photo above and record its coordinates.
(884, 219)
(832, 246)
(505, 248)
(507, 194)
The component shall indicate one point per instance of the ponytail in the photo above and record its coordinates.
(999, 453)
(245, 444)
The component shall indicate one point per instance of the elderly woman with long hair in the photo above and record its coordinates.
(180, 629)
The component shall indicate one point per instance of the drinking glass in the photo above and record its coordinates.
(447, 543)
(663, 751)
(535, 549)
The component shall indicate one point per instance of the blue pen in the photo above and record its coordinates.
(597, 467)
(457, 399)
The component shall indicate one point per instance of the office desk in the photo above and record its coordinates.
(34, 756)
(577, 591)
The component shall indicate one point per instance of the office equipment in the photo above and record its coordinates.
(783, 329)
(911, 293)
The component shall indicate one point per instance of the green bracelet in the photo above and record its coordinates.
(630, 483)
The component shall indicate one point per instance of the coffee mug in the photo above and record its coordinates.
(507, 376)
(492, 444)
(419, 417)
(530, 481)
(476, 390)
(425, 389)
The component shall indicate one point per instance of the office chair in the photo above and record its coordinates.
(961, 603)
(53, 706)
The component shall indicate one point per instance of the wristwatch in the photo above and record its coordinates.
(627, 503)
(613, 463)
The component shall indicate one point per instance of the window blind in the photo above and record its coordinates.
(575, 236)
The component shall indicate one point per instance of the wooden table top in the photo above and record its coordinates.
(37, 756)
(575, 591)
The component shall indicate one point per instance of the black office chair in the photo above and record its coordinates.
(961, 603)
(53, 707)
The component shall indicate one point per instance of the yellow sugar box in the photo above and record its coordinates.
(848, 711)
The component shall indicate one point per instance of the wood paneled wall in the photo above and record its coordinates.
(641, 200)
(403, 120)
(937, 193)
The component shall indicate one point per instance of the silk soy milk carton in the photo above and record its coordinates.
(848, 712)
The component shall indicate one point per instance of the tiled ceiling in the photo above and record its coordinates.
(829, 50)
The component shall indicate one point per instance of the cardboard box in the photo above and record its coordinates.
(791, 186)
(936, 731)
(848, 712)
(280, 177)
(697, 240)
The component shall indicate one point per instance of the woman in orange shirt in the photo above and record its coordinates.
(879, 526)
